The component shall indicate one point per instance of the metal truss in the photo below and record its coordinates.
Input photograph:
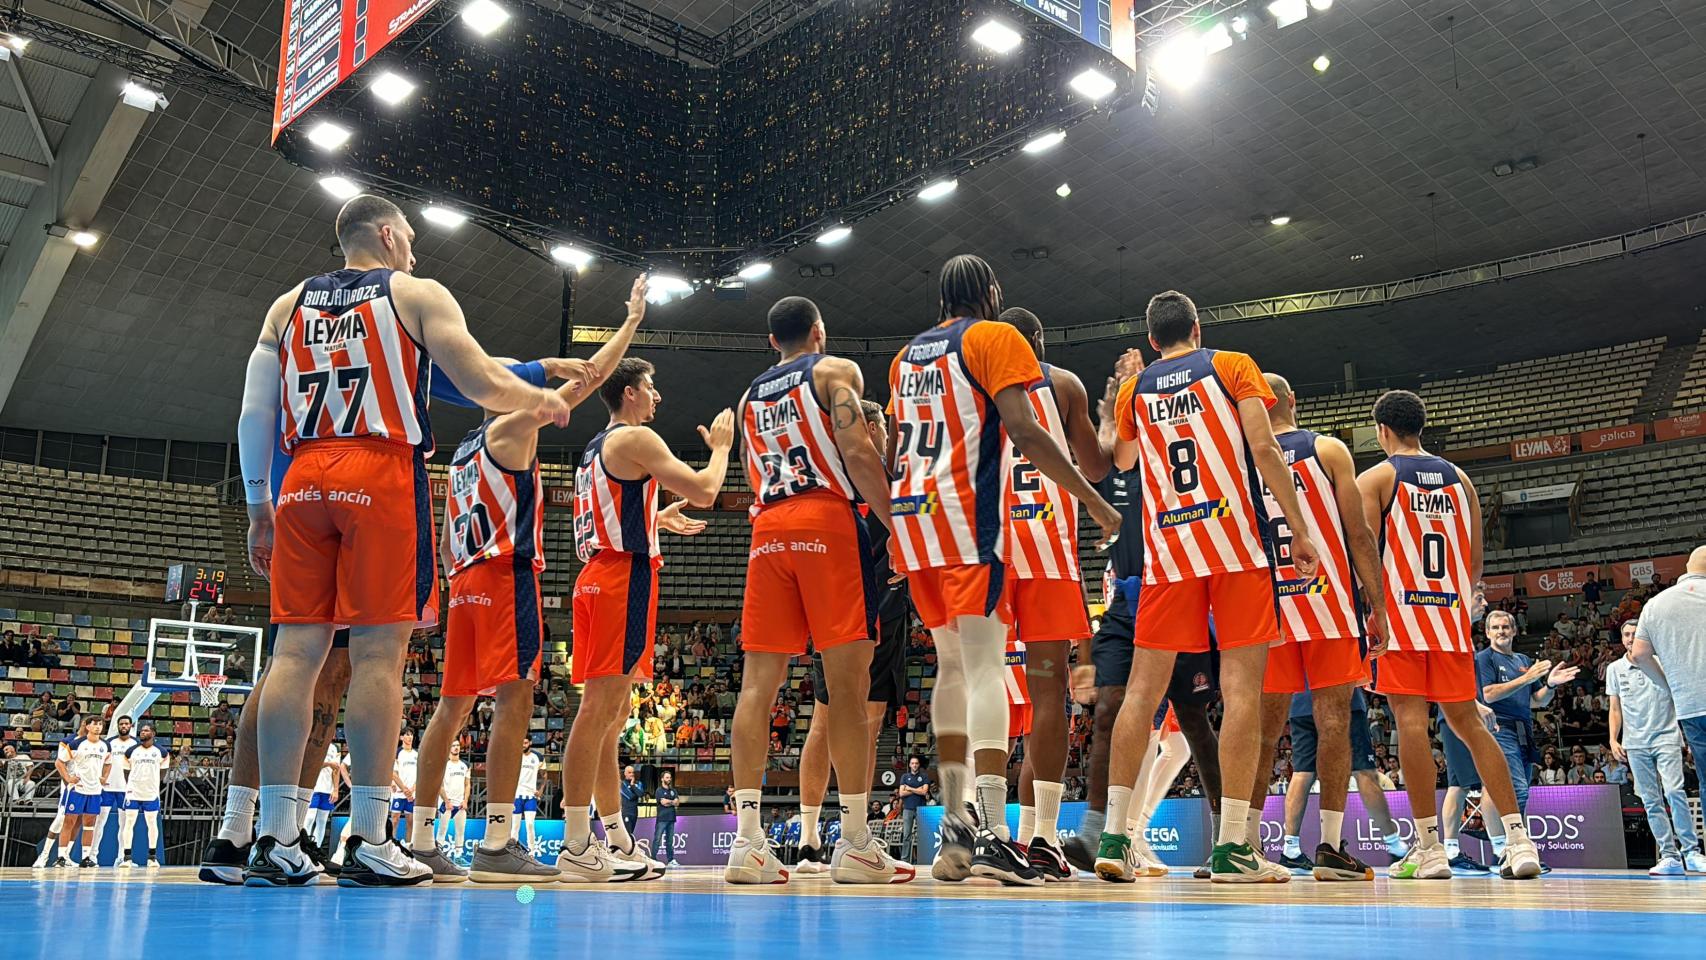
(640, 23)
(764, 20)
(1159, 16)
(188, 39)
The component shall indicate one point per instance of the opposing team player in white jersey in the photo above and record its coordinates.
(144, 762)
(810, 583)
(346, 356)
(403, 770)
(453, 803)
(1429, 518)
(82, 765)
(334, 770)
(113, 786)
(1047, 589)
(526, 805)
(1323, 649)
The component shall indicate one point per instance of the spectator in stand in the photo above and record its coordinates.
(12, 651)
(1591, 591)
(1614, 769)
(633, 791)
(66, 716)
(914, 793)
(729, 799)
(656, 737)
(1581, 768)
(1564, 626)
(900, 717)
(663, 830)
(1670, 638)
(782, 720)
(237, 668)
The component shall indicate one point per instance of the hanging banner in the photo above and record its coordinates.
(1676, 428)
(1557, 583)
(1541, 448)
(1626, 575)
(1612, 438)
(1552, 491)
(1499, 587)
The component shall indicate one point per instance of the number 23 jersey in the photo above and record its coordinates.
(789, 439)
(1202, 502)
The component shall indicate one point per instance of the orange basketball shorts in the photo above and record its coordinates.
(615, 617)
(353, 542)
(1048, 610)
(1435, 675)
(809, 578)
(493, 636)
(1315, 665)
(1018, 720)
(1174, 615)
(944, 594)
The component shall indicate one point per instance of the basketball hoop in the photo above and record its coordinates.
(210, 685)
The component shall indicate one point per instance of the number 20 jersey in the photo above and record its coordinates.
(789, 439)
(492, 512)
(1424, 556)
(350, 368)
(1202, 508)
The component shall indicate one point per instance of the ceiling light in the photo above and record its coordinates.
(391, 88)
(753, 271)
(1288, 12)
(84, 238)
(16, 42)
(571, 256)
(1321, 63)
(1355, 257)
(834, 235)
(997, 36)
(341, 188)
(1094, 84)
(1063, 191)
(1046, 142)
(662, 288)
(1217, 38)
(1241, 25)
(1526, 164)
(327, 136)
(484, 17)
(444, 217)
(1321, 4)
(1180, 60)
(938, 190)
(142, 98)
(1280, 219)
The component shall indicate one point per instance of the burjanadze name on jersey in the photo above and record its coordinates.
(340, 297)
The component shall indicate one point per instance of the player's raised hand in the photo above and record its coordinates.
(721, 434)
(672, 519)
(1129, 364)
(571, 369)
(637, 300)
(260, 539)
(551, 406)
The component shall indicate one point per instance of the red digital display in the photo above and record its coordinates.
(327, 40)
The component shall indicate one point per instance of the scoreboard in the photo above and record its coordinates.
(194, 581)
(327, 40)
(1105, 23)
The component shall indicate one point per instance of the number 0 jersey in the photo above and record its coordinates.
(946, 497)
(788, 436)
(1202, 505)
(1323, 607)
(1424, 556)
(350, 369)
(613, 514)
(492, 512)
(1042, 519)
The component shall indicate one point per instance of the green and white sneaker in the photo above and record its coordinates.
(1242, 863)
(1421, 863)
(1116, 862)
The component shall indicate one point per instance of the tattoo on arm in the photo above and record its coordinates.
(844, 408)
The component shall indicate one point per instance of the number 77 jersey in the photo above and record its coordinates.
(1202, 503)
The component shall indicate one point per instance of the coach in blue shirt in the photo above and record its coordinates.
(663, 830)
(1513, 685)
(633, 791)
(914, 793)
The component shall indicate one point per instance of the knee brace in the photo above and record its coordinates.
(983, 642)
(948, 696)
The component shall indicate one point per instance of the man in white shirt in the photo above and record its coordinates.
(82, 764)
(113, 785)
(324, 799)
(452, 806)
(527, 797)
(403, 783)
(144, 763)
(1644, 735)
(1670, 637)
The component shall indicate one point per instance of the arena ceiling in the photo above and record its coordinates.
(204, 224)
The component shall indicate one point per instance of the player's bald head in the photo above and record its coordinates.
(1279, 385)
(1697, 560)
(1284, 410)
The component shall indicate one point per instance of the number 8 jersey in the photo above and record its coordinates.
(349, 366)
(789, 440)
(492, 512)
(1202, 503)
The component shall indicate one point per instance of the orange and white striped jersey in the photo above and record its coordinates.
(1042, 519)
(610, 513)
(350, 369)
(946, 497)
(1322, 607)
(1424, 556)
(492, 512)
(1018, 691)
(1202, 502)
(788, 438)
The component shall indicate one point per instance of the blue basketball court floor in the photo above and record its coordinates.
(692, 915)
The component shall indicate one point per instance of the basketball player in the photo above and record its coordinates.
(1322, 646)
(615, 604)
(493, 549)
(345, 354)
(453, 808)
(325, 797)
(144, 762)
(1170, 751)
(1460, 779)
(1047, 590)
(82, 763)
(113, 787)
(957, 392)
(526, 807)
(1429, 518)
(888, 672)
(403, 770)
(810, 461)
(1197, 421)
(1305, 742)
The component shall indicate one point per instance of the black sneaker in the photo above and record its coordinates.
(1079, 853)
(954, 855)
(60, 862)
(1002, 860)
(1300, 865)
(224, 862)
(1463, 865)
(1202, 873)
(1048, 862)
(275, 864)
(811, 860)
(313, 850)
(88, 863)
(385, 864)
(1331, 864)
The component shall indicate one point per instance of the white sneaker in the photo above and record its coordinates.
(597, 863)
(1422, 863)
(1149, 863)
(1668, 867)
(870, 863)
(48, 852)
(811, 860)
(385, 864)
(754, 861)
(642, 853)
(1695, 861)
(124, 861)
(1521, 860)
(1244, 863)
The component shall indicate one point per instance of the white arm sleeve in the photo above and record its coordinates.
(257, 425)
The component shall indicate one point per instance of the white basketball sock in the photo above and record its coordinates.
(238, 824)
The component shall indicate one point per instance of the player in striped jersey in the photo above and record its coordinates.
(1322, 646)
(345, 355)
(615, 602)
(1047, 589)
(144, 762)
(1197, 421)
(1429, 518)
(810, 461)
(957, 393)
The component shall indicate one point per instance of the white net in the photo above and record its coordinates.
(210, 684)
